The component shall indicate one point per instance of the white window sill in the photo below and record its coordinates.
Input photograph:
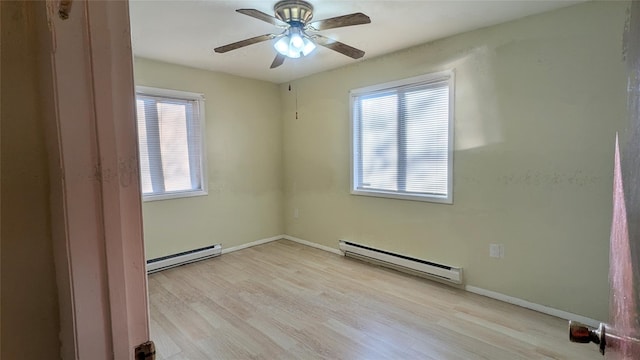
(173, 195)
(401, 196)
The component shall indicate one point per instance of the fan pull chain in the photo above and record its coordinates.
(296, 101)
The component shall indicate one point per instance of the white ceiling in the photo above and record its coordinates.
(186, 32)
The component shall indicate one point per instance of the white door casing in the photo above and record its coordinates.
(99, 245)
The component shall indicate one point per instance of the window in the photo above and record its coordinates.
(171, 143)
(402, 139)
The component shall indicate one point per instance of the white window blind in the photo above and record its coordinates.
(402, 135)
(170, 143)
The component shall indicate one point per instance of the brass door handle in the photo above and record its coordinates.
(580, 333)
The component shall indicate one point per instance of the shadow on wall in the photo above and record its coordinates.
(477, 123)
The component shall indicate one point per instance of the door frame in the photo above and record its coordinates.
(96, 204)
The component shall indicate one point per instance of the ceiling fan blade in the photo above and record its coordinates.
(340, 21)
(243, 43)
(277, 61)
(338, 46)
(262, 16)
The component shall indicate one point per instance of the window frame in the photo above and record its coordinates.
(446, 75)
(199, 98)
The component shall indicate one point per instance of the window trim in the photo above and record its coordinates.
(181, 95)
(447, 75)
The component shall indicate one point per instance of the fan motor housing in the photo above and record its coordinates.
(296, 11)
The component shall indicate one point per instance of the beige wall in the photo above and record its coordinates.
(29, 304)
(244, 155)
(538, 102)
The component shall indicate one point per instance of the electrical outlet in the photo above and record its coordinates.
(494, 250)
(296, 213)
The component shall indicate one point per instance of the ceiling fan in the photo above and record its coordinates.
(299, 37)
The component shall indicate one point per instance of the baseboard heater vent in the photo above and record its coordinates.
(402, 262)
(166, 262)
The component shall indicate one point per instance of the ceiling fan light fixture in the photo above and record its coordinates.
(294, 44)
(282, 45)
(309, 46)
(293, 53)
(296, 39)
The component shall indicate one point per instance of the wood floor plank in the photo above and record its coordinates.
(283, 300)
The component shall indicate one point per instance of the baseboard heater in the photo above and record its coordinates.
(166, 262)
(403, 263)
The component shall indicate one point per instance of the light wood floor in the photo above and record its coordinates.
(283, 300)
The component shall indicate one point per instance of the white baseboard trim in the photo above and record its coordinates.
(488, 293)
(317, 246)
(253, 243)
(476, 290)
(533, 306)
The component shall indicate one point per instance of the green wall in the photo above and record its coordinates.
(244, 162)
(537, 105)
